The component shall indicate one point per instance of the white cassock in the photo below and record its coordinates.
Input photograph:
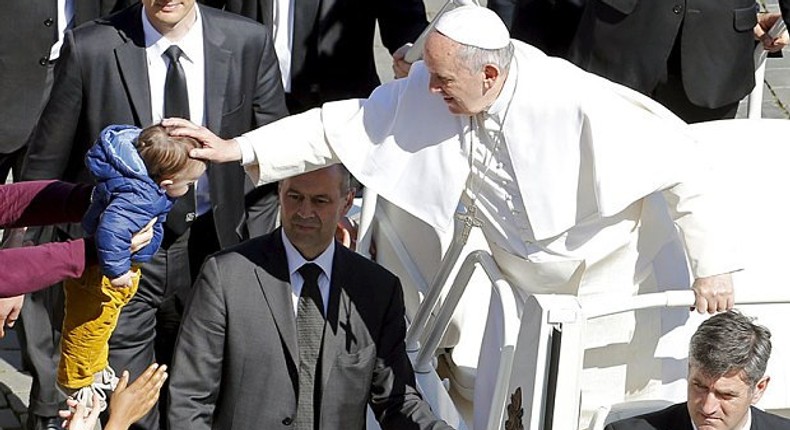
(559, 168)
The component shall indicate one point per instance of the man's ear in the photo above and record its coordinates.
(759, 389)
(349, 199)
(166, 183)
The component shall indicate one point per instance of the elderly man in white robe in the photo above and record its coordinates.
(553, 163)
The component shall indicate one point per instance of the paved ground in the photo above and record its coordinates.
(15, 384)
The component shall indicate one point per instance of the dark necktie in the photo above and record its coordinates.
(310, 332)
(177, 105)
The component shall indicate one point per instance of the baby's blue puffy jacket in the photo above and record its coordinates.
(124, 201)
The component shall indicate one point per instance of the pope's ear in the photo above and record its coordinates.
(490, 75)
(491, 72)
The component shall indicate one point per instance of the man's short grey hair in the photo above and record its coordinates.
(345, 178)
(729, 343)
(474, 58)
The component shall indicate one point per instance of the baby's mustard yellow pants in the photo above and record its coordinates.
(92, 309)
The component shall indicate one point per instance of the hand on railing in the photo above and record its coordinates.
(762, 32)
(401, 67)
(713, 294)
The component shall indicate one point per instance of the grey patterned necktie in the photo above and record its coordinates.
(310, 331)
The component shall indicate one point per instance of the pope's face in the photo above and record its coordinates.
(166, 15)
(311, 205)
(460, 88)
(720, 403)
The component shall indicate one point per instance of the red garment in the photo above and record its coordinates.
(36, 203)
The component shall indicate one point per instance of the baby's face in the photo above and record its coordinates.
(183, 180)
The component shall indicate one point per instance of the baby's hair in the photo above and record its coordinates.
(164, 155)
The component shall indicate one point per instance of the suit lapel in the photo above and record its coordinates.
(274, 281)
(682, 416)
(217, 64)
(132, 64)
(338, 315)
(273, 277)
(757, 419)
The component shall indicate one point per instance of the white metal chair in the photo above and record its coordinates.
(546, 358)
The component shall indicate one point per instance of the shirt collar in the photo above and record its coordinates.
(191, 44)
(502, 101)
(295, 259)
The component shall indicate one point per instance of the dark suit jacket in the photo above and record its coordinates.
(28, 29)
(629, 42)
(548, 25)
(102, 79)
(676, 417)
(332, 55)
(236, 355)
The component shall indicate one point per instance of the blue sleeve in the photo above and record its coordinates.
(124, 216)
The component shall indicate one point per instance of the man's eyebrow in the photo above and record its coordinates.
(728, 392)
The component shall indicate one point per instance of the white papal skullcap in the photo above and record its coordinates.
(475, 26)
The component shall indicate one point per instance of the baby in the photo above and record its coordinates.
(138, 175)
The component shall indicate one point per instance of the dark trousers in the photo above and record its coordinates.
(11, 163)
(39, 332)
(38, 329)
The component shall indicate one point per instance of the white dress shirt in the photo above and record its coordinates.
(193, 62)
(65, 22)
(282, 33)
(296, 261)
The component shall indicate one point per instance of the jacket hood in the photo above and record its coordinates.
(114, 155)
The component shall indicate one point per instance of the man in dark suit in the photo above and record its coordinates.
(548, 25)
(248, 356)
(784, 7)
(29, 34)
(114, 71)
(693, 56)
(728, 355)
(331, 49)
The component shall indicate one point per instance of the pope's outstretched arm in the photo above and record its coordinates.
(284, 148)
